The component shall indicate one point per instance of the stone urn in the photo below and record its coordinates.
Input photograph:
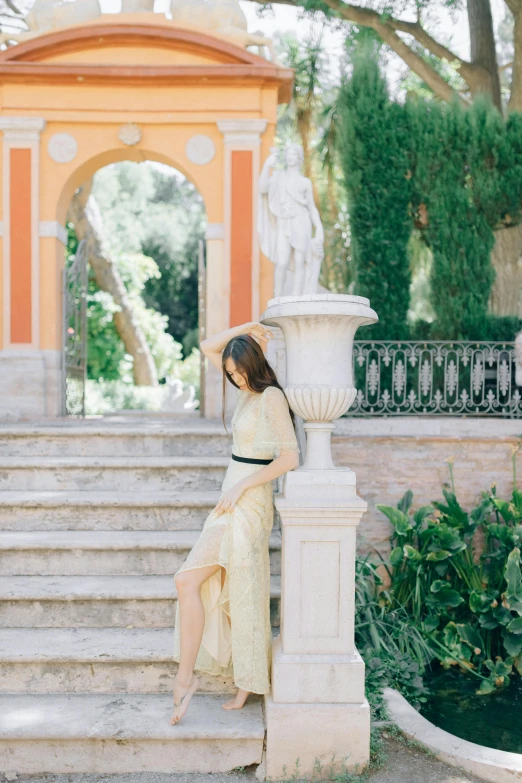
(319, 330)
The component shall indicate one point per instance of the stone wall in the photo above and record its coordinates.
(392, 455)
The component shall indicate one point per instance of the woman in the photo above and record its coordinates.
(223, 611)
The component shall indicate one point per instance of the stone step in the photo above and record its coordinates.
(95, 439)
(94, 509)
(112, 473)
(101, 552)
(93, 660)
(125, 733)
(95, 601)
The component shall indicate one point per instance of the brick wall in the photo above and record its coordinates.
(390, 456)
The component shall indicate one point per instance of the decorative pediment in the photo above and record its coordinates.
(128, 50)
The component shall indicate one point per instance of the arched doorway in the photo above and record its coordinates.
(131, 87)
(130, 295)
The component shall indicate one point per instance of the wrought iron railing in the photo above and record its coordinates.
(74, 363)
(435, 378)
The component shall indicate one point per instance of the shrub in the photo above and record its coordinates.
(467, 604)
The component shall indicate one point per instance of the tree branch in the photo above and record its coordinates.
(386, 30)
(372, 19)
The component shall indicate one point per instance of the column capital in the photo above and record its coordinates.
(247, 131)
(22, 128)
(215, 231)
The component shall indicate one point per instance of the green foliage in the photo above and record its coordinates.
(394, 650)
(146, 211)
(107, 396)
(455, 180)
(375, 152)
(151, 211)
(453, 173)
(466, 603)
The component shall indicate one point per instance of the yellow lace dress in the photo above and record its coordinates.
(237, 638)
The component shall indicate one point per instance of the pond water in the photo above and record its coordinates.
(494, 720)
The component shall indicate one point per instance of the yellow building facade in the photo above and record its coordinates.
(124, 87)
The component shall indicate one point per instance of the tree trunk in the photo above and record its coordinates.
(515, 100)
(483, 51)
(304, 127)
(506, 257)
(85, 216)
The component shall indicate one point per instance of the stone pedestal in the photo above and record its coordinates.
(317, 708)
(317, 715)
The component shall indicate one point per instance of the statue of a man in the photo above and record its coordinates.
(287, 214)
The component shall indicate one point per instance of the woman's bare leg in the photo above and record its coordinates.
(239, 699)
(191, 622)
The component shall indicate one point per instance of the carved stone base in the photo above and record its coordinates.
(313, 733)
(321, 679)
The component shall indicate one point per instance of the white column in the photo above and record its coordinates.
(21, 133)
(238, 134)
(27, 373)
(243, 134)
(317, 708)
(216, 314)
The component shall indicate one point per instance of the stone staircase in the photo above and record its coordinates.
(95, 519)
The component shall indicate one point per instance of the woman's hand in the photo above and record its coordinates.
(259, 331)
(229, 499)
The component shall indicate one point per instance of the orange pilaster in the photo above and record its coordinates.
(241, 237)
(20, 245)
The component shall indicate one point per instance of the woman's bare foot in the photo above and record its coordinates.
(183, 693)
(237, 702)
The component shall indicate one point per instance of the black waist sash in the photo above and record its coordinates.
(251, 459)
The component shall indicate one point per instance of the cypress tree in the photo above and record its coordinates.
(454, 176)
(375, 150)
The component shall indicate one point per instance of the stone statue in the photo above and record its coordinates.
(286, 216)
(47, 15)
(137, 6)
(223, 17)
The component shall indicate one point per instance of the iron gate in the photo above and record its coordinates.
(74, 309)
(202, 287)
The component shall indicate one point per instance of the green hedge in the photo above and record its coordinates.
(453, 173)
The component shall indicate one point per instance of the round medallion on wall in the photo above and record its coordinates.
(200, 149)
(130, 134)
(62, 147)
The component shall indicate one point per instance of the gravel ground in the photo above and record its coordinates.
(402, 763)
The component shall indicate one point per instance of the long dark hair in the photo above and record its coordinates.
(250, 360)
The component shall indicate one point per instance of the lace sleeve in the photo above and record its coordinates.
(274, 431)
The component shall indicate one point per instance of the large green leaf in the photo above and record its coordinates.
(410, 553)
(515, 626)
(455, 514)
(436, 557)
(471, 636)
(405, 502)
(396, 556)
(506, 510)
(486, 687)
(482, 601)
(488, 621)
(503, 533)
(420, 515)
(443, 595)
(512, 643)
(399, 519)
(449, 538)
(513, 577)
